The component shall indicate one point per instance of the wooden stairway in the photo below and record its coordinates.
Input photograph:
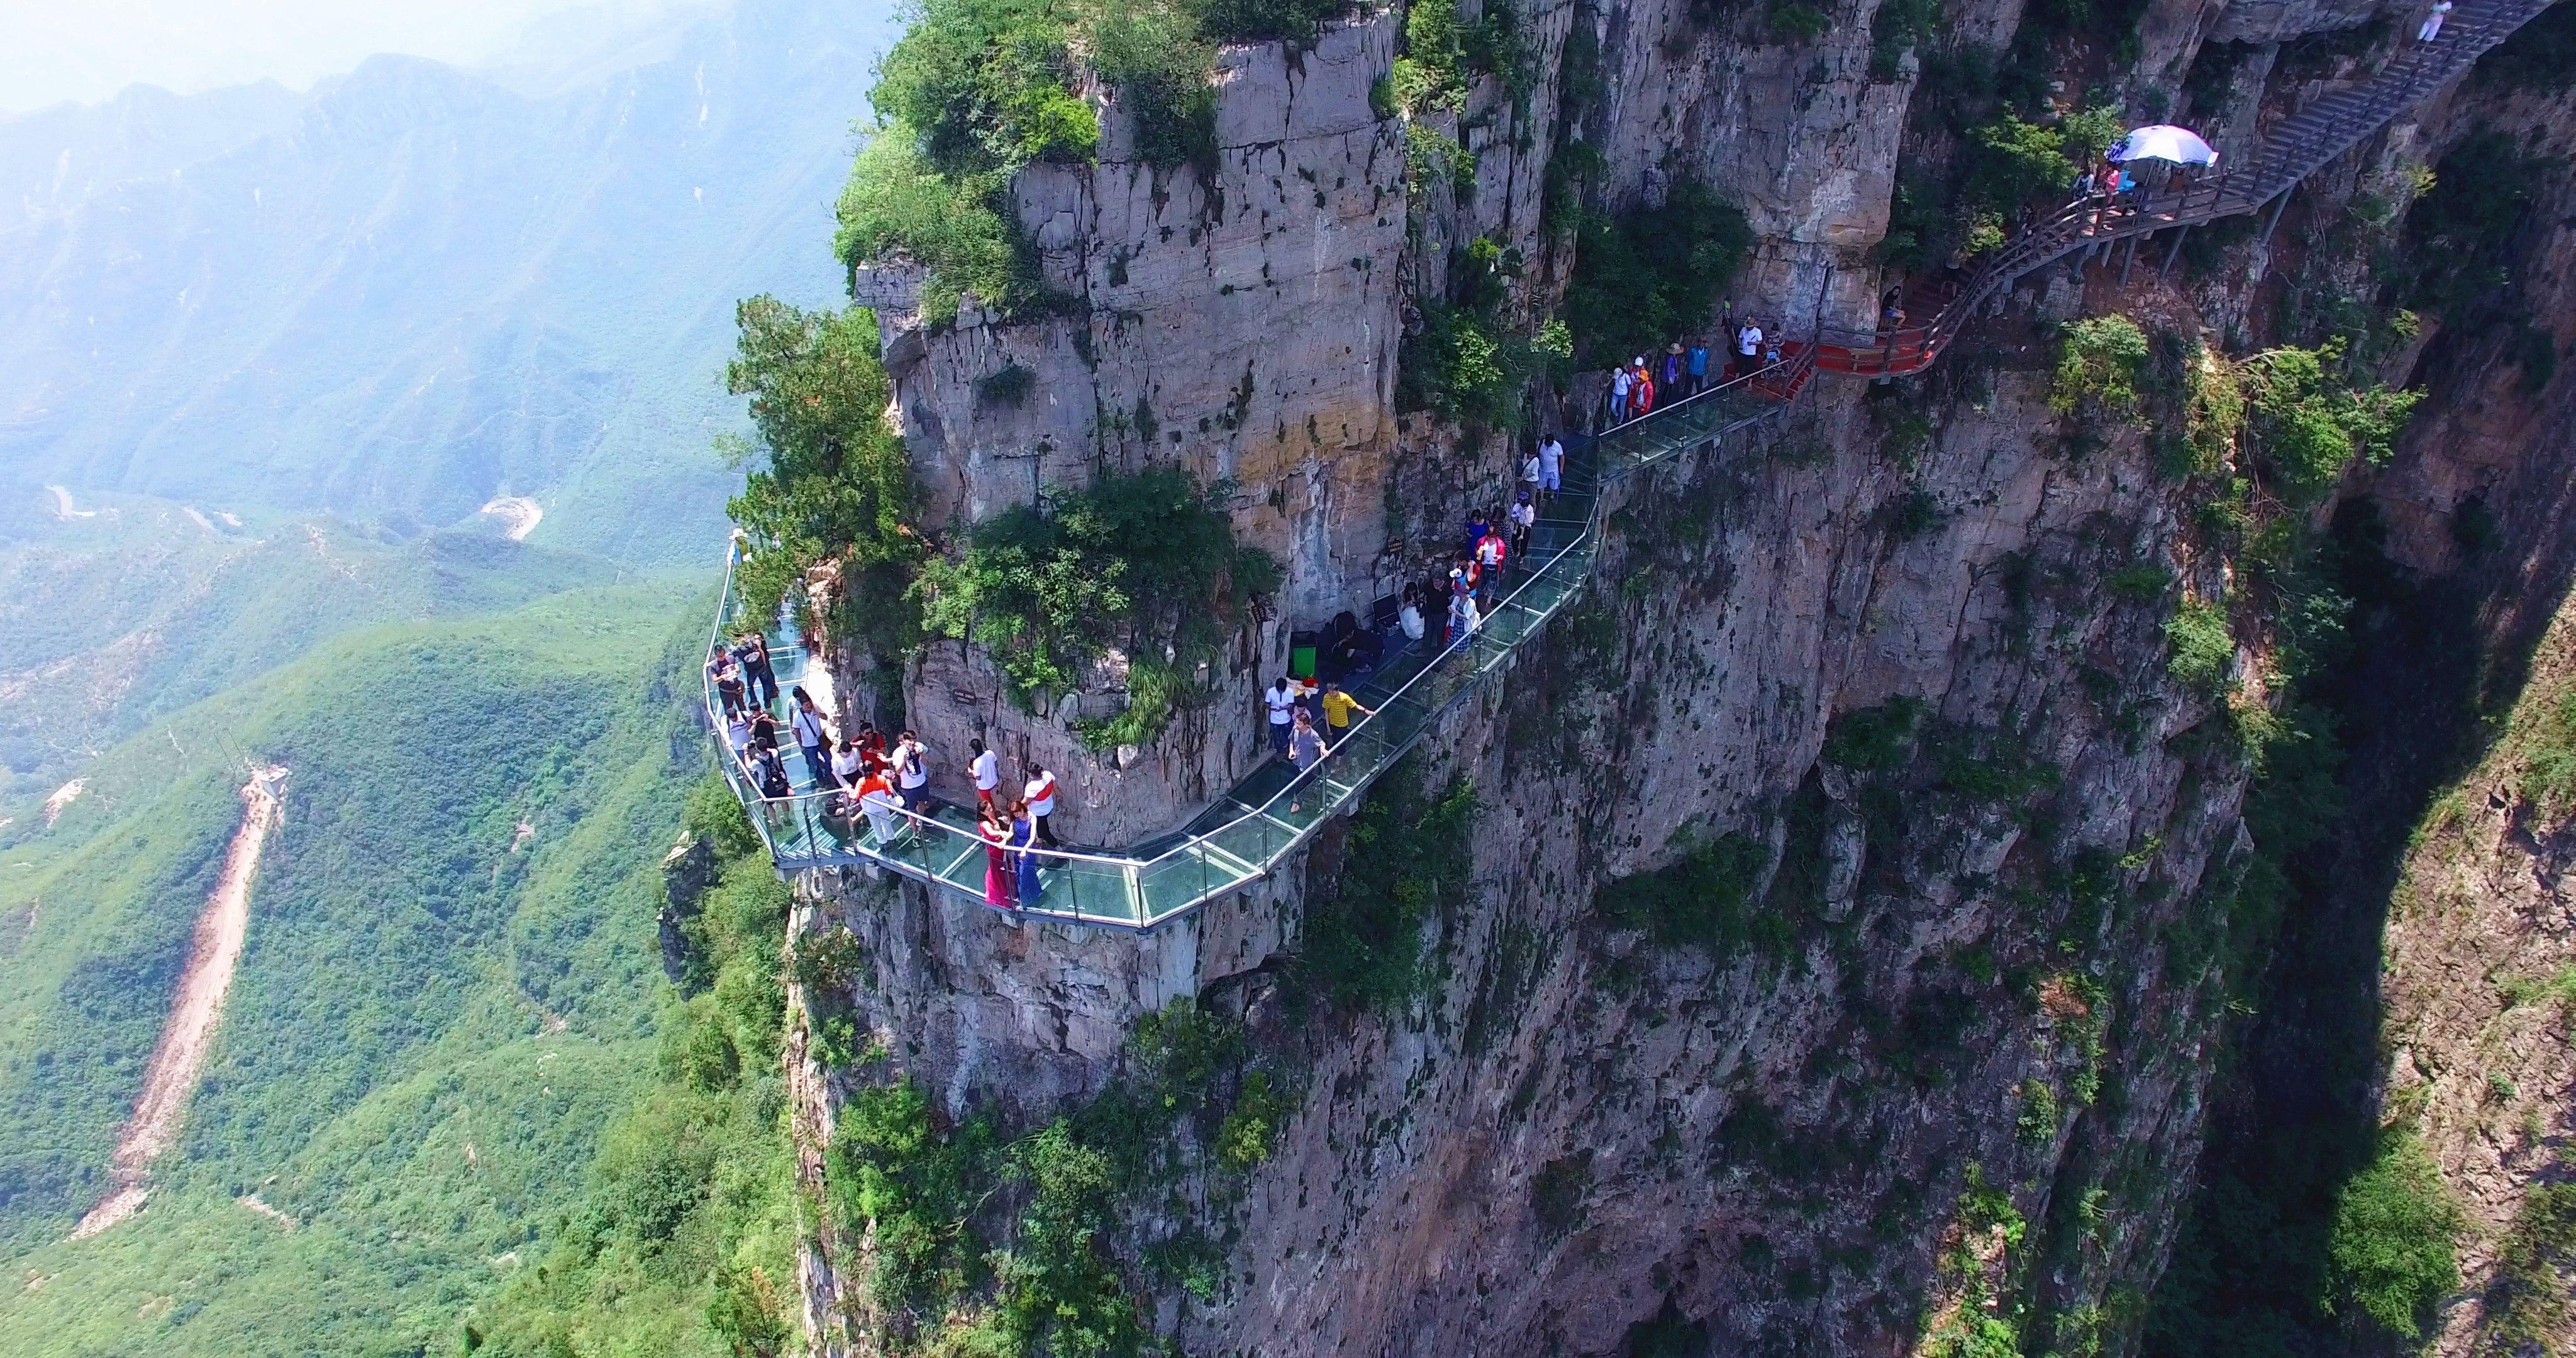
(2300, 145)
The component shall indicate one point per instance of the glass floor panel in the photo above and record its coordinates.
(1086, 889)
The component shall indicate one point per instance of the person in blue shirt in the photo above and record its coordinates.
(1698, 364)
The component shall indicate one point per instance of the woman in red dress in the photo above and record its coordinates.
(997, 863)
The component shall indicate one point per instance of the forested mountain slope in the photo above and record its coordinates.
(448, 982)
(118, 609)
(415, 289)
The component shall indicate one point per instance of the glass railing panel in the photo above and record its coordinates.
(1089, 889)
(1506, 625)
(1177, 880)
(1365, 750)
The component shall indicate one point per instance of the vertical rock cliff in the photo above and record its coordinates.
(1838, 953)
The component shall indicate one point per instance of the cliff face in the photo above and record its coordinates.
(1877, 688)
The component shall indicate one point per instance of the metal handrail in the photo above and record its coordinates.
(1204, 846)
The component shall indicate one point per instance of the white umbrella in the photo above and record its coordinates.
(2164, 141)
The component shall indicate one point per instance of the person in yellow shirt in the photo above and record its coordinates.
(1338, 707)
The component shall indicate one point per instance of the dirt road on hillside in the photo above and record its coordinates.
(187, 1034)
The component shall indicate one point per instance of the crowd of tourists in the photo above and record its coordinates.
(864, 774)
(1679, 373)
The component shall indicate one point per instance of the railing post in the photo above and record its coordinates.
(2278, 206)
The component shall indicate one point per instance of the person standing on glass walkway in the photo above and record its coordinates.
(1338, 707)
(985, 770)
(1281, 699)
(998, 882)
(1305, 750)
(876, 797)
(759, 678)
(1039, 794)
(1024, 836)
(911, 760)
(812, 737)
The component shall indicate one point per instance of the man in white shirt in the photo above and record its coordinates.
(1524, 517)
(813, 739)
(1551, 465)
(1748, 347)
(1039, 792)
(847, 764)
(912, 773)
(1281, 699)
(985, 770)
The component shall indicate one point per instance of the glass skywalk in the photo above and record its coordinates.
(1257, 824)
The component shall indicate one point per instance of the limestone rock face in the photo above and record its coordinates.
(2280, 20)
(1580, 1123)
(1243, 328)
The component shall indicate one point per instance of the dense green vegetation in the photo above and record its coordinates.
(1642, 279)
(110, 621)
(682, 1238)
(1144, 562)
(1405, 863)
(2394, 1248)
(432, 1012)
(838, 481)
(1467, 362)
(2098, 363)
(998, 1242)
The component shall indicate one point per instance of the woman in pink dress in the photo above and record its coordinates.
(997, 863)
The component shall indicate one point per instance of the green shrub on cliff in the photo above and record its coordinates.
(2098, 363)
(1642, 279)
(837, 484)
(1146, 562)
(952, 226)
(2203, 648)
(2394, 1252)
(2310, 420)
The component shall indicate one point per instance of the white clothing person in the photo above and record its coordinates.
(2433, 21)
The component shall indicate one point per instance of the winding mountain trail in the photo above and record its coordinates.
(189, 1032)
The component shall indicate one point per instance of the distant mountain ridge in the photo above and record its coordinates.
(413, 289)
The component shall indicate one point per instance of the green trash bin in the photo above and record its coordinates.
(1301, 654)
